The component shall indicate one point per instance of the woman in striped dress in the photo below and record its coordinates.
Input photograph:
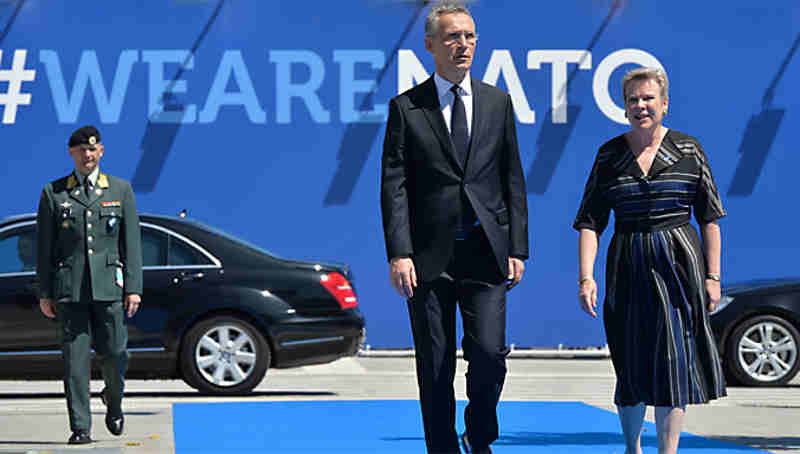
(661, 278)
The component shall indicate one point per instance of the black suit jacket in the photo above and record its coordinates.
(423, 183)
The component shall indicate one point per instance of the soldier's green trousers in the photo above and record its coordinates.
(82, 325)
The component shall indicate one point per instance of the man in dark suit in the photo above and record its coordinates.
(90, 273)
(455, 223)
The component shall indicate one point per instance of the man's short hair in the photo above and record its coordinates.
(444, 7)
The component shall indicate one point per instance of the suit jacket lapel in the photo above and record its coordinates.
(433, 112)
(478, 123)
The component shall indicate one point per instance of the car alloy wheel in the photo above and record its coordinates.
(763, 351)
(224, 355)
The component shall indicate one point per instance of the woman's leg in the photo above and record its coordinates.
(631, 418)
(669, 421)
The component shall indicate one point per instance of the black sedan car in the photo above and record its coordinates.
(757, 327)
(216, 311)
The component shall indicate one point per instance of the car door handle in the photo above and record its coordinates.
(188, 277)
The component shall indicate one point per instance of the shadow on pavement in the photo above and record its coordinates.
(615, 438)
(28, 442)
(788, 385)
(769, 443)
(173, 394)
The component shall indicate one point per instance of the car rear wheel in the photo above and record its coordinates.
(763, 351)
(224, 355)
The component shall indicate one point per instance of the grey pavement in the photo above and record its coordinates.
(33, 414)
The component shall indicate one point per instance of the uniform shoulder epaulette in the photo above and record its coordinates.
(65, 183)
(102, 181)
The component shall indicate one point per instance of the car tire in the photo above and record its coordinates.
(763, 351)
(224, 355)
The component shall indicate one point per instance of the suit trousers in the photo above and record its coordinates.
(475, 284)
(83, 324)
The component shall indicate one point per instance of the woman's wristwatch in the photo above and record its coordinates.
(713, 276)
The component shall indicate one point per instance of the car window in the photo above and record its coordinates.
(154, 247)
(181, 254)
(18, 251)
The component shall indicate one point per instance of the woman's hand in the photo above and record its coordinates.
(713, 290)
(587, 296)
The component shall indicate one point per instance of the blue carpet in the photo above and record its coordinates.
(394, 427)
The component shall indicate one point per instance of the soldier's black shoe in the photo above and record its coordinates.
(80, 437)
(468, 449)
(115, 424)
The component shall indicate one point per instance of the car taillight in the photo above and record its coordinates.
(340, 288)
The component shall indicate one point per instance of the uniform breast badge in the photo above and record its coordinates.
(66, 212)
(118, 279)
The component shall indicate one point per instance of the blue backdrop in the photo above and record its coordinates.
(266, 119)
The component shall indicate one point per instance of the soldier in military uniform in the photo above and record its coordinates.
(90, 272)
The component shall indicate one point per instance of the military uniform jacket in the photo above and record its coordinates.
(101, 230)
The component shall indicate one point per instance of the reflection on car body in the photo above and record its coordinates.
(217, 311)
(757, 327)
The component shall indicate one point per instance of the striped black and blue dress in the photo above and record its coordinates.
(655, 316)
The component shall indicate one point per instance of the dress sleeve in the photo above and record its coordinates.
(707, 204)
(595, 210)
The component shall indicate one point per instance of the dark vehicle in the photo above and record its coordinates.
(757, 327)
(216, 311)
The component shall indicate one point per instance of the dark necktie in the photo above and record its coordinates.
(458, 126)
(86, 186)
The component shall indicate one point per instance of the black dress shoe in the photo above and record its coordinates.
(115, 424)
(80, 437)
(468, 449)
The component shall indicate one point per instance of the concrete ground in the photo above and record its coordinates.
(33, 414)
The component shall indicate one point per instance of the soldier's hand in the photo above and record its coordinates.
(132, 302)
(48, 307)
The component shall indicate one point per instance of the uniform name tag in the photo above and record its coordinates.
(118, 279)
(115, 203)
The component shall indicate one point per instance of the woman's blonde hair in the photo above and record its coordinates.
(642, 74)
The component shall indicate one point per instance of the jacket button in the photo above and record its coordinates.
(88, 212)
(89, 225)
(90, 238)
(91, 251)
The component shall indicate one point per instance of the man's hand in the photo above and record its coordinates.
(714, 294)
(403, 276)
(515, 269)
(587, 296)
(48, 307)
(132, 302)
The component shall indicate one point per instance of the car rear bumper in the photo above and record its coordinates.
(303, 341)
